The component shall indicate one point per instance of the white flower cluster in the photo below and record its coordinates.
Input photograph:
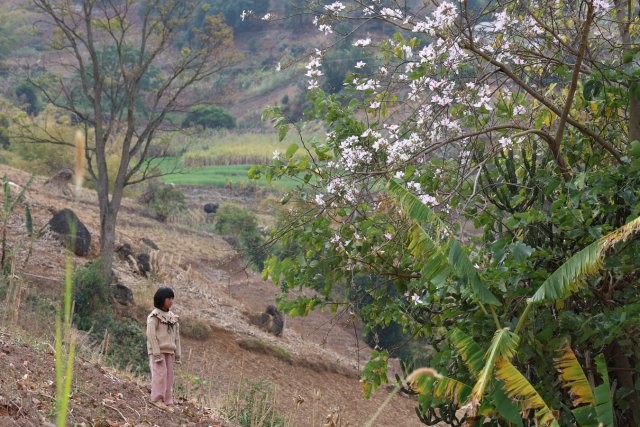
(324, 28)
(402, 149)
(335, 7)
(366, 84)
(340, 187)
(442, 18)
(362, 42)
(245, 14)
(602, 6)
(387, 12)
(505, 143)
(354, 154)
(313, 70)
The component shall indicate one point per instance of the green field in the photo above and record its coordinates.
(216, 176)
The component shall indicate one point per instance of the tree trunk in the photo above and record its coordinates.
(634, 116)
(624, 373)
(108, 217)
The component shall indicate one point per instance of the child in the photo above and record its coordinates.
(163, 346)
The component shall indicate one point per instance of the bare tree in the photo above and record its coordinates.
(124, 65)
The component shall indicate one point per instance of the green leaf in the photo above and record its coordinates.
(28, 221)
(282, 132)
(521, 251)
(503, 346)
(469, 350)
(591, 89)
(518, 387)
(374, 373)
(566, 279)
(505, 407)
(427, 244)
(291, 150)
(464, 269)
(444, 389)
(603, 395)
(586, 416)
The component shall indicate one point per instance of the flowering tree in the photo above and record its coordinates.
(516, 125)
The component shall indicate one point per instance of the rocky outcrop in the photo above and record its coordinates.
(73, 233)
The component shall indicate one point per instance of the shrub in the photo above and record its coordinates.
(252, 406)
(5, 140)
(240, 227)
(165, 201)
(27, 98)
(194, 329)
(211, 117)
(127, 344)
(90, 295)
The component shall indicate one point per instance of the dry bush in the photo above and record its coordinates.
(194, 328)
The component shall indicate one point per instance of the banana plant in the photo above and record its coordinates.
(442, 256)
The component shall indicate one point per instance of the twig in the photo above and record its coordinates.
(54, 279)
(117, 410)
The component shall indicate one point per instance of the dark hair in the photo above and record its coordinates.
(161, 295)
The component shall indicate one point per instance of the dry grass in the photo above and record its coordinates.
(258, 346)
(195, 329)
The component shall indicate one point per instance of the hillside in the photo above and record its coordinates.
(313, 366)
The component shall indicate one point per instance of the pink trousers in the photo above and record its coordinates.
(162, 379)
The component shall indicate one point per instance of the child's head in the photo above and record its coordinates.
(160, 297)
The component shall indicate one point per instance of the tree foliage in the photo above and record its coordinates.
(494, 152)
(211, 117)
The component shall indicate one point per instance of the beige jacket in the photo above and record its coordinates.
(163, 333)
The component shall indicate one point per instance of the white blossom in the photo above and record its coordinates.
(362, 42)
(245, 13)
(415, 299)
(334, 7)
(428, 200)
(601, 6)
(505, 143)
(326, 29)
(519, 110)
(387, 12)
(319, 199)
(360, 64)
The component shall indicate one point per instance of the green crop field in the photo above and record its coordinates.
(213, 176)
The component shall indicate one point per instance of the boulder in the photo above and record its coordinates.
(270, 321)
(74, 233)
(121, 294)
(150, 243)
(124, 252)
(144, 266)
(211, 208)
